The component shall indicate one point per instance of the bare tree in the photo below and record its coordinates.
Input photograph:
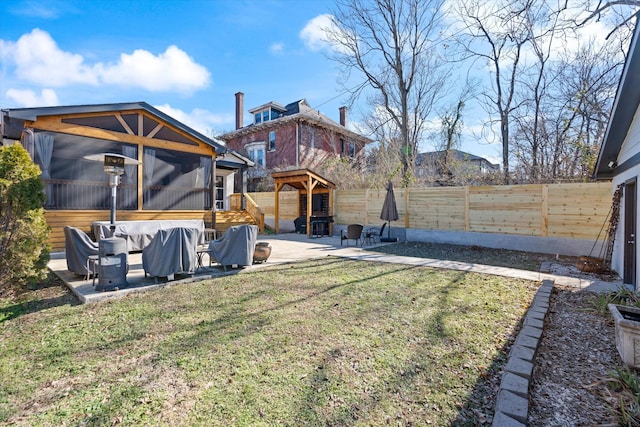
(565, 97)
(393, 44)
(544, 23)
(383, 157)
(451, 131)
(626, 10)
(495, 35)
(452, 123)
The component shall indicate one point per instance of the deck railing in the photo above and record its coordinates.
(256, 213)
(66, 194)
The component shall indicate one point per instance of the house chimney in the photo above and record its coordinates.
(239, 109)
(343, 116)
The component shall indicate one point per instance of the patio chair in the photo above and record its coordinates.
(353, 232)
(78, 248)
(373, 234)
(171, 252)
(301, 224)
(236, 246)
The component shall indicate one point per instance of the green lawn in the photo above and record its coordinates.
(329, 342)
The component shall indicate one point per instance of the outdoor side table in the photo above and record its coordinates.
(200, 252)
(92, 267)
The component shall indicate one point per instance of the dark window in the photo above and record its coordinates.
(175, 180)
(272, 140)
(219, 192)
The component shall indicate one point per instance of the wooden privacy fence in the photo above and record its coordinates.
(577, 211)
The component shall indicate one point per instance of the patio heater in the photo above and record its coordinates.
(112, 251)
(114, 167)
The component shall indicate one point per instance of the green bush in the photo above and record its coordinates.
(24, 233)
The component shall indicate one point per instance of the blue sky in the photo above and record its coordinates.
(186, 57)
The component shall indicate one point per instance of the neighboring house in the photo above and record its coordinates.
(182, 174)
(292, 136)
(442, 165)
(619, 160)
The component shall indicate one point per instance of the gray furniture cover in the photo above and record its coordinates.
(171, 252)
(139, 234)
(236, 246)
(78, 247)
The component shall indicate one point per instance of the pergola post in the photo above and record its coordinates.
(277, 207)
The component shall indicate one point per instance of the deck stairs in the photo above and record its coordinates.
(226, 219)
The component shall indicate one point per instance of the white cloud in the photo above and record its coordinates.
(314, 34)
(28, 98)
(199, 119)
(37, 10)
(38, 59)
(172, 70)
(277, 48)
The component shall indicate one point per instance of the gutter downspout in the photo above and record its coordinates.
(297, 145)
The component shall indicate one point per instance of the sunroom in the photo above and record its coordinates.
(177, 175)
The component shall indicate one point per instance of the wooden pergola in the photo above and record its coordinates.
(308, 183)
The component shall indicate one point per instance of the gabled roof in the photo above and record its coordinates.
(299, 179)
(32, 114)
(271, 104)
(624, 108)
(296, 111)
(231, 158)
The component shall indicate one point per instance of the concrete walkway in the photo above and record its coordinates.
(292, 247)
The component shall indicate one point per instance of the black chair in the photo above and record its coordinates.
(374, 234)
(301, 224)
(353, 232)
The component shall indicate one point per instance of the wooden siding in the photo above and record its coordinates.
(631, 144)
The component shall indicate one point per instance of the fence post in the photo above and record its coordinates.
(366, 206)
(544, 227)
(466, 208)
(407, 222)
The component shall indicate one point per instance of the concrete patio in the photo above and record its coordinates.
(292, 247)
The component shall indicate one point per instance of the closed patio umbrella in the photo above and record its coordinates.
(389, 210)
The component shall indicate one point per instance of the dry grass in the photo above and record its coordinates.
(324, 342)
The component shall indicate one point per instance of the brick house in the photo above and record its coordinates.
(292, 136)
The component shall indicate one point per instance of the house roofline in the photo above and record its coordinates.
(298, 117)
(624, 108)
(32, 114)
